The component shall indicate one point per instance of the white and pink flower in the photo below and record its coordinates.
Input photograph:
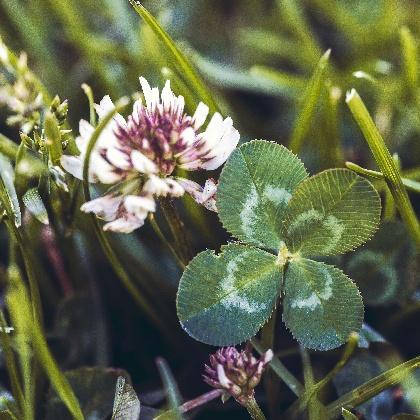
(144, 150)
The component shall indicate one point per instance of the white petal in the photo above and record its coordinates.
(73, 165)
(103, 170)
(105, 106)
(117, 158)
(143, 164)
(223, 150)
(176, 190)
(168, 97)
(214, 132)
(139, 205)
(188, 136)
(155, 99)
(137, 108)
(209, 190)
(222, 378)
(124, 225)
(200, 115)
(105, 207)
(147, 91)
(157, 186)
(191, 187)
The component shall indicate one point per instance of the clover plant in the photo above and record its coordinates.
(284, 221)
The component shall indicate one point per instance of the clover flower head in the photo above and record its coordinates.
(236, 372)
(141, 153)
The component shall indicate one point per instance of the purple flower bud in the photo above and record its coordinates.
(237, 372)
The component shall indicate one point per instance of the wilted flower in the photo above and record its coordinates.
(141, 153)
(238, 373)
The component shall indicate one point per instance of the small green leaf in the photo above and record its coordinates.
(254, 189)
(225, 299)
(7, 178)
(53, 137)
(331, 213)
(322, 306)
(35, 205)
(126, 403)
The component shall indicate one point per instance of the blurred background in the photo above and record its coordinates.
(257, 58)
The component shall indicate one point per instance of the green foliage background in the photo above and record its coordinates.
(260, 62)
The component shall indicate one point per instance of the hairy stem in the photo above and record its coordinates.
(254, 410)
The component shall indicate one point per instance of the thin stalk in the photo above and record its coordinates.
(106, 246)
(309, 381)
(28, 263)
(300, 405)
(177, 229)
(281, 370)
(373, 387)
(270, 380)
(386, 164)
(163, 238)
(409, 184)
(11, 366)
(192, 404)
(254, 410)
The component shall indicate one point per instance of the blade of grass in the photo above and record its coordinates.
(373, 387)
(171, 389)
(19, 306)
(106, 246)
(385, 163)
(179, 60)
(309, 101)
(409, 53)
(11, 366)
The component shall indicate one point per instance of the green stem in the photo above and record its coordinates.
(178, 230)
(163, 238)
(270, 380)
(254, 410)
(410, 184)
(300, 405)
(373, 387)
(309, 381)
(11, 366)
(386, 164)
(106, 246)
(281, 370)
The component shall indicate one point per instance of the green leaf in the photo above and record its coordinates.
(126, 403)
(331, 213)
(35, 205)
(321, 306)
(7, 178)
(176, 58)
(94, 388)
(225, 299)
(255, 187)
